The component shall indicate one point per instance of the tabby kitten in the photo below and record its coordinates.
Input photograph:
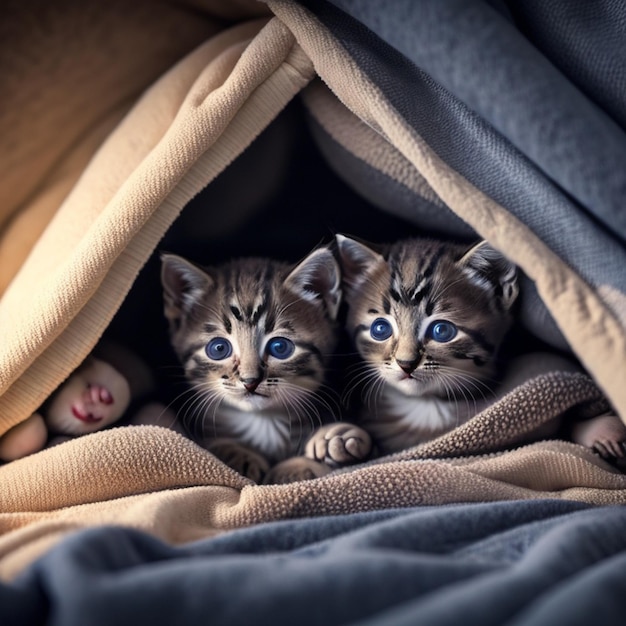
(253, 336)
(427, 317)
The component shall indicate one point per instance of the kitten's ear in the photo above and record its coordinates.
(356, 260)
(492, 269)
(184, 284)
(317, 277)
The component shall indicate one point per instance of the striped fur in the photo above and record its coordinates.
(418, 387)
(251, 397)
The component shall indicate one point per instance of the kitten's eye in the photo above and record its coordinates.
(219, 349)
(280, 347)
(381, 329)
(442, 331)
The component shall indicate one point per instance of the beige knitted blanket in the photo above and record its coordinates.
(151, 478)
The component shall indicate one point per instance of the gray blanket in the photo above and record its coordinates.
(524, 563)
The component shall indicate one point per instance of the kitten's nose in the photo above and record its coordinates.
(407, 366)
(250, 384)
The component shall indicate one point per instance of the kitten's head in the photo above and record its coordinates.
(253, 333)
(428, 317)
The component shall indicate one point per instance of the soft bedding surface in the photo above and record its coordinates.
(524, 563)
(155, 480)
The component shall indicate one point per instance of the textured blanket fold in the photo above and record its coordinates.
(153, 479)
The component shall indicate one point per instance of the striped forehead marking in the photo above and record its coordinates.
(412, 275)
(250, 313)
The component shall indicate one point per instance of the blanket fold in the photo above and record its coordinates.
(153, 479)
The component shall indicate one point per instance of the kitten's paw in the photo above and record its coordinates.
(295, 469)
(605, 434)
(247, 462)
(339, 444)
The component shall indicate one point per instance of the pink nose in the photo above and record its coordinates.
(96, 394)
(250, 384)
(407, 366)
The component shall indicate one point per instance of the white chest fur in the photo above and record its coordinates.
(429, 414)
(267, 432)
(399, 421)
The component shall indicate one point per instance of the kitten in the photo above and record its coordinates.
(254, 336)
(427, 317)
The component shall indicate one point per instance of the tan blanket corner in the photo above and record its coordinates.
(153, 479)
(188, 127)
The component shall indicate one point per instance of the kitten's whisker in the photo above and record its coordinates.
(301, 411)
(302, 406)
(311, 397)
(374, 390)
(172, 420)
(329, 398)
(280, 394)
(366, 374)
(189, 402)
(441, 287)
(211, 407)
(307, 406)
(459, 387)
(456, 383)
(196, 407)
(452, 398)
(282, 311)
(171, 403)
(481, 387)
(213, 310)
(360, 367)
(380, 387)
(462, 391)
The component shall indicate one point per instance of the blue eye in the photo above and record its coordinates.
(219, 349)
(280, 348)
(381, 329)
(442, 331)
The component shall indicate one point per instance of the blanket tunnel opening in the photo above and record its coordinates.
(279, 199)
